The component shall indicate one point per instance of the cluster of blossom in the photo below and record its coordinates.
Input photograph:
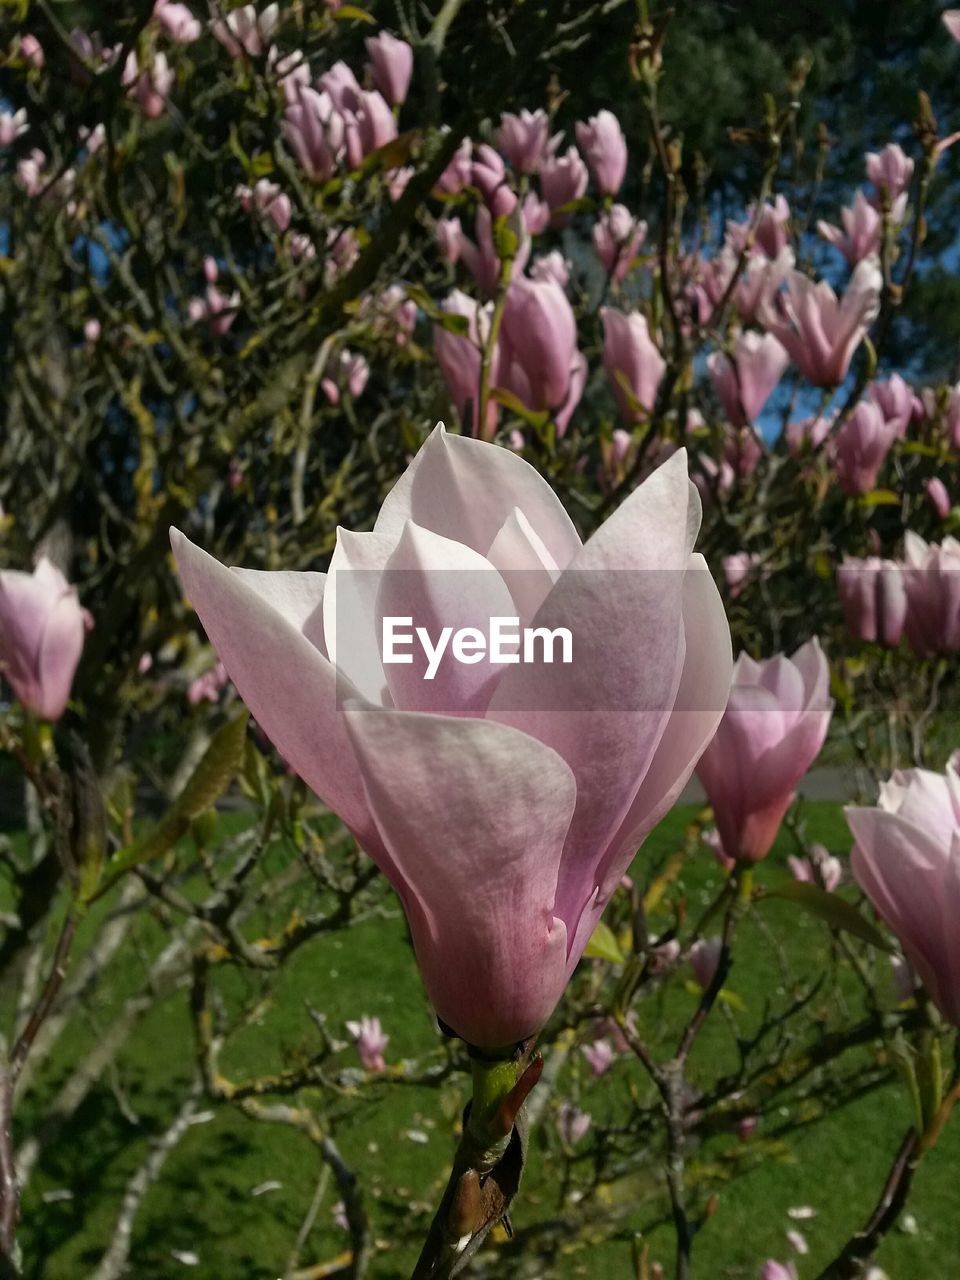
(328, 123)
(917, 597)
(535, 357)
(526, 184)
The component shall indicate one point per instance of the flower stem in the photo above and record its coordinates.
(487, 1166)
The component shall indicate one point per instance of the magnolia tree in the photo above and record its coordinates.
(251, 256)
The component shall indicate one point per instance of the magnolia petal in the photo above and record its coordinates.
(440, 584)
(299, 597)
(464, 489)
(289, 686)
(525, 564)
(350, 609)
(476, 813)
(621, 598)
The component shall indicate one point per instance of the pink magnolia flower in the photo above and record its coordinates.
(739, 569)
(342, 86)
(772, 234)
(551, 266)
(246, 31)
(747, 1127)
(558, 770)
(315, 131)
(907, 861)
(704, 960)
(602, 142)
(540, 362)
(664, 955)
(91, 331)
(292, 71)
(711, 838)
(395, 314)
(217, 309)
(803, 870)
(449, 232)
(391, 66)
(149, 86)
(774, 726)
(828, 868)
(207, 687)
(488, 174)
(742, 449)
(933, 595)
(890, 169)
(756, 287)
(90, 50)
(617, 237)
(13, 125)
(895, 400)
(938, 497)
(633, 364)
(951, 20)
(523, 138)
(819, 332)
(825, 871)
(572, 1124)
(301, 247)
(714, 478)
(31, 50)
(42, 627)
(873, 597)
(375, 123)
(370, 1042)
(398, 180)
(177, 21)
(481, 258)
(267, 200)
(456, 176)
(862, 228)
(343, 249)
(563, 179)
(745, 383)
(807, 434)
(460, 356)
(350, 371)
(617, 455)
(773, 1270)
(535, 214)
(93, 139)
(600, 1056)
(30, 171)
(860, 448)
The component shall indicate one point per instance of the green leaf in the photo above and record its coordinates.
(209, 781)
(215, 771)
(918, 448)
(603, 945)
(353, 13)
(453, 323)
(880, 498)
(831, 908)
(515, 405)
(724, 996)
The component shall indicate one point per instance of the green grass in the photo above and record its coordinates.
(203, 1201)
